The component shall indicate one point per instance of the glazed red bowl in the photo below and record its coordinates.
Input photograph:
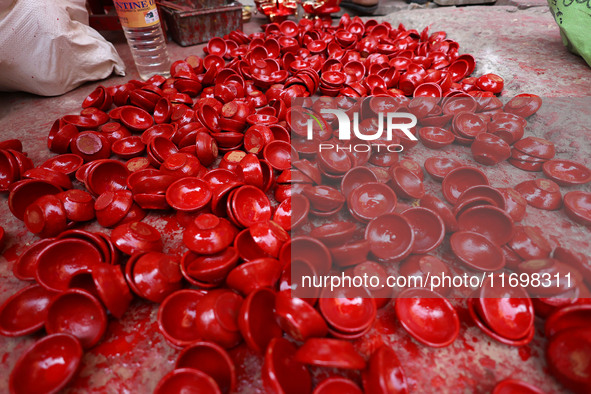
(136, 237)
(515, 204)
(477, 251)
(25, 192)
(335, 233)
(176, 317)
(577, 205)
(492, 222)
(507, 311)
(62, 260)
(211, 359)
(153, 275)
(459, 179)
(279, 154)
(384, 373)
(254, 274)
(541, 193)
(298, 318)
(250, 205)
(67, 163)
(536, 147)
(203, 270)
(188, 194)
(473, 311)
(324, 198)
(24, 312)
(406, 183)
(529, 244)
(562, 353)
(292, 212)
(567, 172)
(217, 317)
(390, 237)
(483, 191)
(209, 234)
(281, 372)
(268, 236)
(78, 205)
(112, 288)
(436, 205)
(36, 370)
(428, 228)
(347, 310)
(136, 119)
(257, 319)
(46, 216)
(79, 313)
(435, 137)
(439, 166)
(106, 175)
(356, 177)
(247, 248)
(310, 250)
(572, 316)
(427, 317)
(370, 200)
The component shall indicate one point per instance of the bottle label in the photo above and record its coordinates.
(140, 13)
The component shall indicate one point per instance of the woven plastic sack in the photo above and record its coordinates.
(574, 20)
(47, 47)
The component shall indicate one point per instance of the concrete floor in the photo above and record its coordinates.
(519, 41)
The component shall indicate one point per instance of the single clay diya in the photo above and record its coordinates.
(507, 311)
(541, 193)
(390, 237)
(153, 275)
(254, 274)
(459, 179)
(217, 317)
(281, 371)
(58, 262)
(439, 166)
(79, 313)
(428, 228)
(562, 354)
(176, 317)
(384, 373)
(566, 172)
(136, 237)
(112, 288)
(257, 319)
(211, 359)
(24, 312)
(529, 243)
(492, 222)
(298, 318)
(577, 205)
(427, 317)
(371, 200)
(37, 371)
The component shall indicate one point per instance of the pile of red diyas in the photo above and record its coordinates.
(212, 145)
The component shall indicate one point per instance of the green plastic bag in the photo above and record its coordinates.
(574, 20)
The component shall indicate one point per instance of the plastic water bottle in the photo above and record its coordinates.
(141, 25)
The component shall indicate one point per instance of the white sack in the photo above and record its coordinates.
(47, 47)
